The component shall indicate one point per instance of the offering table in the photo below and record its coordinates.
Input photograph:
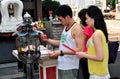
(47, 67)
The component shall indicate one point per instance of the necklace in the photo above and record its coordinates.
(67, 28)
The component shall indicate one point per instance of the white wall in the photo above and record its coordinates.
(79, 3)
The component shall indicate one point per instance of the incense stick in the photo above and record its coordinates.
(69, 48)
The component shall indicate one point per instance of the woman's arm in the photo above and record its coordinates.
(97, 41)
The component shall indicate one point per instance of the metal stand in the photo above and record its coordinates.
(29, 63)
(30, 71)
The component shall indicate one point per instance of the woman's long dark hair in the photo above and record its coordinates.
(82, 17)
(95, 13)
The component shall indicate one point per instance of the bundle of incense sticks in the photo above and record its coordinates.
(69, 48)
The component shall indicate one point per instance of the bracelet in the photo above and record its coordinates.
(61, 53)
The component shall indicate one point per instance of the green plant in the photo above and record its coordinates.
(111, 3)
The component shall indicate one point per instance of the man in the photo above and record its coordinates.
(71, 36)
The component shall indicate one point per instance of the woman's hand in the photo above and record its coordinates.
(81, 54)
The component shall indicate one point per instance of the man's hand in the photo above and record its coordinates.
(44, 37)
(55, 53)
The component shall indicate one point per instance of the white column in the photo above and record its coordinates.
(118, 1)
(104, 5)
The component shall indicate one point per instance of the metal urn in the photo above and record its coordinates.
(28, 46)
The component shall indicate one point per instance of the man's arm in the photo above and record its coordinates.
(79, 37)
(51, 41)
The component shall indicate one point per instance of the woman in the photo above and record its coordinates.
(97, 45)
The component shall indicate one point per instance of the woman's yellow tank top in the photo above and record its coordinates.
(98, 67)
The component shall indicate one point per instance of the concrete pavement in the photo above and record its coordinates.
(10, 71)
(115, 68)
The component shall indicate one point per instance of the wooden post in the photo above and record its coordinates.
(39, 8)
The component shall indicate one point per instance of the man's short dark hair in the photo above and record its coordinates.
(63, 11)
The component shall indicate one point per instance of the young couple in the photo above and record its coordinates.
(76, 36)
